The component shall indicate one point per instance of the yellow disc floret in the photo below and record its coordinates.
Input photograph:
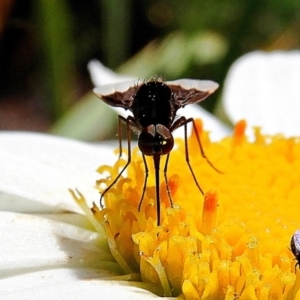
(231, 243)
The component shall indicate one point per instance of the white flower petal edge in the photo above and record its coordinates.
(91, 289)
(263, 88)
(101, 76)
(33, 242)
(217, 130)
(50, 259)
(46, 254)
(38, 169)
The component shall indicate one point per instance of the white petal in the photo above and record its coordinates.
(51, 259)
(263, 88)
(217, 130)
(58, 284)
(30, 242)
(107, 89)
(38, 169)
(101, 75)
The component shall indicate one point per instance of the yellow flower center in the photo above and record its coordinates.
(231, 243)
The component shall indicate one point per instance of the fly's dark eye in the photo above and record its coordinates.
(167, 145)
(146, 142)
(155, 139)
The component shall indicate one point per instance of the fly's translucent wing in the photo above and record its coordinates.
(119, 94)
(188, 91)
(201, 85)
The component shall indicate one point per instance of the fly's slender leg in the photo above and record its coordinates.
(182, 121)
(166, 178)
(156, 159)
(187, 157)
(199, 143)
(128, 121)
(145, 181)
(120, 120)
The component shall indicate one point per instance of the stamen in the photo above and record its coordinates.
(209, 216)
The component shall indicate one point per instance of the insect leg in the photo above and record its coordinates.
(166, 178)
(187, 158)
(182, 121)
(145, 181)
(120, 120)
(199, 143)
(156, 159)
(128, 121)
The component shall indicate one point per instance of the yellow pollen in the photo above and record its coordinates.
(231, 243)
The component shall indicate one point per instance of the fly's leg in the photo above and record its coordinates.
(129, 121)
(166, 179)
(182, 121)
(145, 182)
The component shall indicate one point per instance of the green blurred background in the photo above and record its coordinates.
(45, 46)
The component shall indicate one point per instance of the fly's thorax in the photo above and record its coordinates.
(152, 105)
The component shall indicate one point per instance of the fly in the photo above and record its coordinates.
(154, 105)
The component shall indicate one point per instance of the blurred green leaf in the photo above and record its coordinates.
(208, 47)
(116, 18)
(89, 120)
(173, 56)
(55, 30)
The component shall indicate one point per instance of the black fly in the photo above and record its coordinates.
(153, 105)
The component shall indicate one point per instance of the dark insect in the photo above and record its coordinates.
(153, 105)
(295, 247)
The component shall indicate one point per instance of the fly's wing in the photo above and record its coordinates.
(188, 91)
(118, 95)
